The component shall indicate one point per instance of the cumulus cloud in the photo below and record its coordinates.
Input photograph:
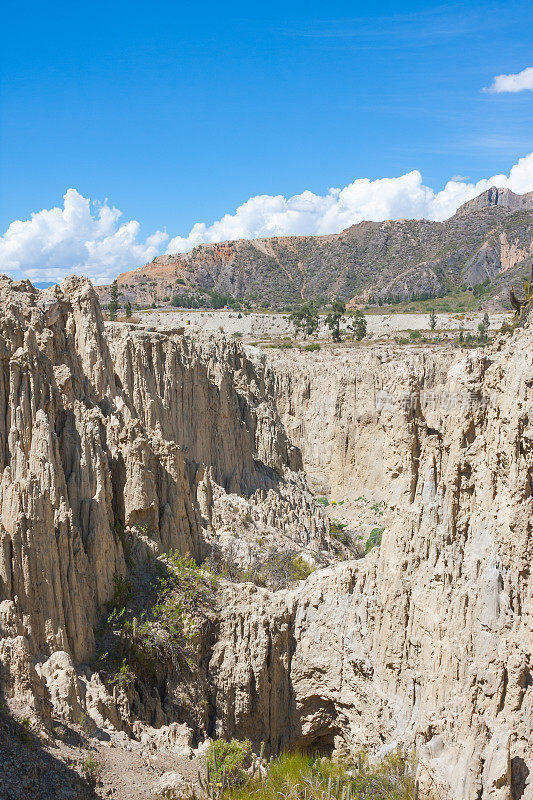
(517, 82)
(89, 239)
(386, 198)
(82, 237)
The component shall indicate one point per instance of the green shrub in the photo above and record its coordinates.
(25, 732)
(165, 629)
(336, 528)
(124, 676)
(374, 540)
(227, 761)
(91, 769)
(337, 532)
(279, 570)
(311, 348)
(300, 569)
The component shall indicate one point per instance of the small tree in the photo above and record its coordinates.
(333, 319)
(128, 309)
(358, 325)
(483, 328)
(113, 305)
(432, 320)
(305, 318)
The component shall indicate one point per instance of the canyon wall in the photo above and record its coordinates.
(343, 408)
(168, 440)
(107, 441)
(429, 639)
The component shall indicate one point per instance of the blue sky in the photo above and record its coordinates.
(178, 113)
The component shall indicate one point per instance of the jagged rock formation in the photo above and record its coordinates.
(490, 237)
(175, 440)
(138, 436)
(430, 639)
(504, 198)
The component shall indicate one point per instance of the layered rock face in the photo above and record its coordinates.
(428, 640)
(139, 436)
(341, 408)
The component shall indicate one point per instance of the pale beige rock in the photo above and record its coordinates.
(106, 439)
(174, 441)
(428, 640)
(62, 684)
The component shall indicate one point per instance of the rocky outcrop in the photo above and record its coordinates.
(105, 441)
(504, 198)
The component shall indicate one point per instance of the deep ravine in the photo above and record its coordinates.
(120, 444)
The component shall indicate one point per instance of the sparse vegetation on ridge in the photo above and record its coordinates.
(411, 265)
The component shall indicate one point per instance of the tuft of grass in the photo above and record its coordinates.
(301, 776)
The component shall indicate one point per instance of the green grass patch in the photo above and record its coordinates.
(300, 776)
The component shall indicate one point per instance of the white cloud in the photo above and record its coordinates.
(88, 238)
(81, 237)
(516, 82)
(387, 198)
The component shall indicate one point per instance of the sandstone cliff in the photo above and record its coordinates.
(133, 440)
(120, 444)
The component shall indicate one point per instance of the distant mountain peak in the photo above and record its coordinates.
(504, 198)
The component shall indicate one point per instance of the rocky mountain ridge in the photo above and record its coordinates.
(503, 198)
(489, 239)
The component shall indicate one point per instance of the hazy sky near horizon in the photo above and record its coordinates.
(178, 114)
